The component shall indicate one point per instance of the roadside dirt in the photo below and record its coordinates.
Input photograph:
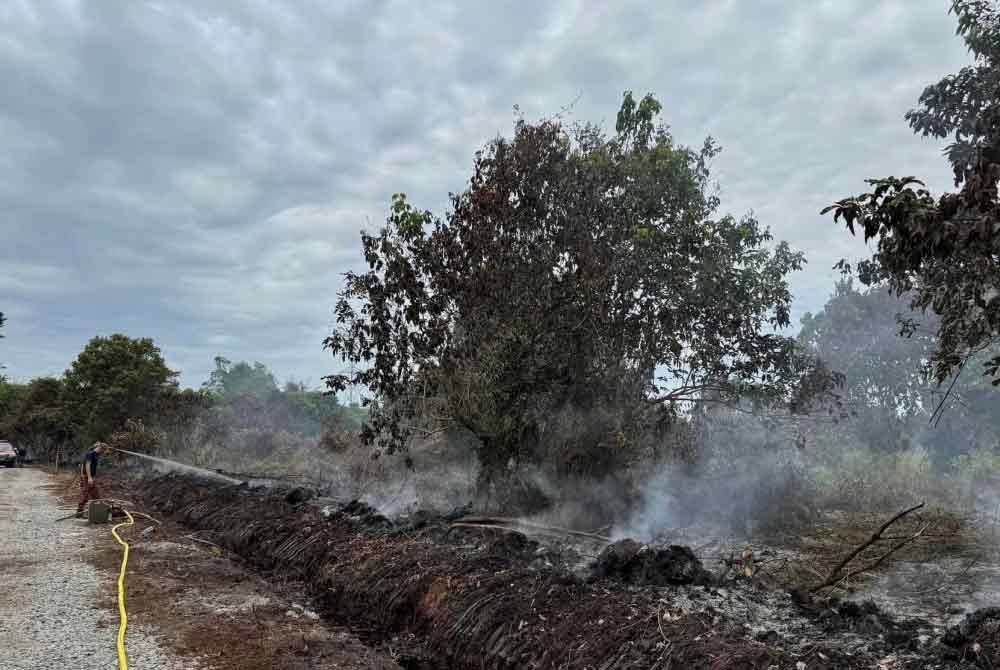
(50, 610)
(207, 608)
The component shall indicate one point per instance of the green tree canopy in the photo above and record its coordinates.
(945, 251)
(176, 408)
(41, 419)
(113, 379)
(11, 396)
(889, 398)
(248, 396)
(858, 334)
(229, 380)
(576, 270)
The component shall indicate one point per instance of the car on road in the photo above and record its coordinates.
(8, 456)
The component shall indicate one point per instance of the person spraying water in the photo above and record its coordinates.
(88, 476)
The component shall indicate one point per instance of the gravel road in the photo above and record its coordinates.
(49, 616)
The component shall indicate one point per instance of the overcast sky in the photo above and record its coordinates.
(197, 172)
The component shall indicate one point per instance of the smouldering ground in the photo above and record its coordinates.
(222, 614)
(952, 568)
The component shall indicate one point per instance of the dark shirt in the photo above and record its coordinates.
(92, 458)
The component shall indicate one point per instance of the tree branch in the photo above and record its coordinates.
(835, 576)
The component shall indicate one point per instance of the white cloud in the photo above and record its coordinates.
(198, 171)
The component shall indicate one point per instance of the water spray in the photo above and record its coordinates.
(180, 466)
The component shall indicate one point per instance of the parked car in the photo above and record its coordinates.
(8, 457)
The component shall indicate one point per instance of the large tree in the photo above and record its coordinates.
(577, 272)
(229, 381)
(113, 379)
(40, 420)
(887, 396)
(945, 251)
(889, 399)
(247, 396)
(858, 333)
(11, 396)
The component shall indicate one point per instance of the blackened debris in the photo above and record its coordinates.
(969, 629)
(366, 515)
(633, 563)
(863, 618)
(299, 495)
(420, 519)
(513, 545)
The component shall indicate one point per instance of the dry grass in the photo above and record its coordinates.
(814, 553)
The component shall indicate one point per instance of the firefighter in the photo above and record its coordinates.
(88, 476)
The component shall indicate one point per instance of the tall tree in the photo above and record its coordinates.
(11, 396)
(945, 251)
(578, 270)
(229, 381)
(858, 334)
(889, 399)
(113, 379)
(41, 420)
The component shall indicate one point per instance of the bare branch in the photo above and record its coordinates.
(835, 575)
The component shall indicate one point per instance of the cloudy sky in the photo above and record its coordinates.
(198, 172)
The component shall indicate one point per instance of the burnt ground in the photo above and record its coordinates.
(457, 597)
(208, 606)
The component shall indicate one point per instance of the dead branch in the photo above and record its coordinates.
(198, 539)
(145, 516)
(835, 575)
(896, 547)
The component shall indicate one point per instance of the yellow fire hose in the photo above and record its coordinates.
(122, 614)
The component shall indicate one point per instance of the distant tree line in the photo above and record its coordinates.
(890, 399)
(120, 388)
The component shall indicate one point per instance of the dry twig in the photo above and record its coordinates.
(835, 576)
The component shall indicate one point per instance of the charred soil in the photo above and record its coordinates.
(455, 597)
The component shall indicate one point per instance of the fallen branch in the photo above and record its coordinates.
(198, 539)
(886, 555)
(146, 516)
(835, 577)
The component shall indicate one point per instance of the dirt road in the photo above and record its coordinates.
(50, 614)
(191, 607)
